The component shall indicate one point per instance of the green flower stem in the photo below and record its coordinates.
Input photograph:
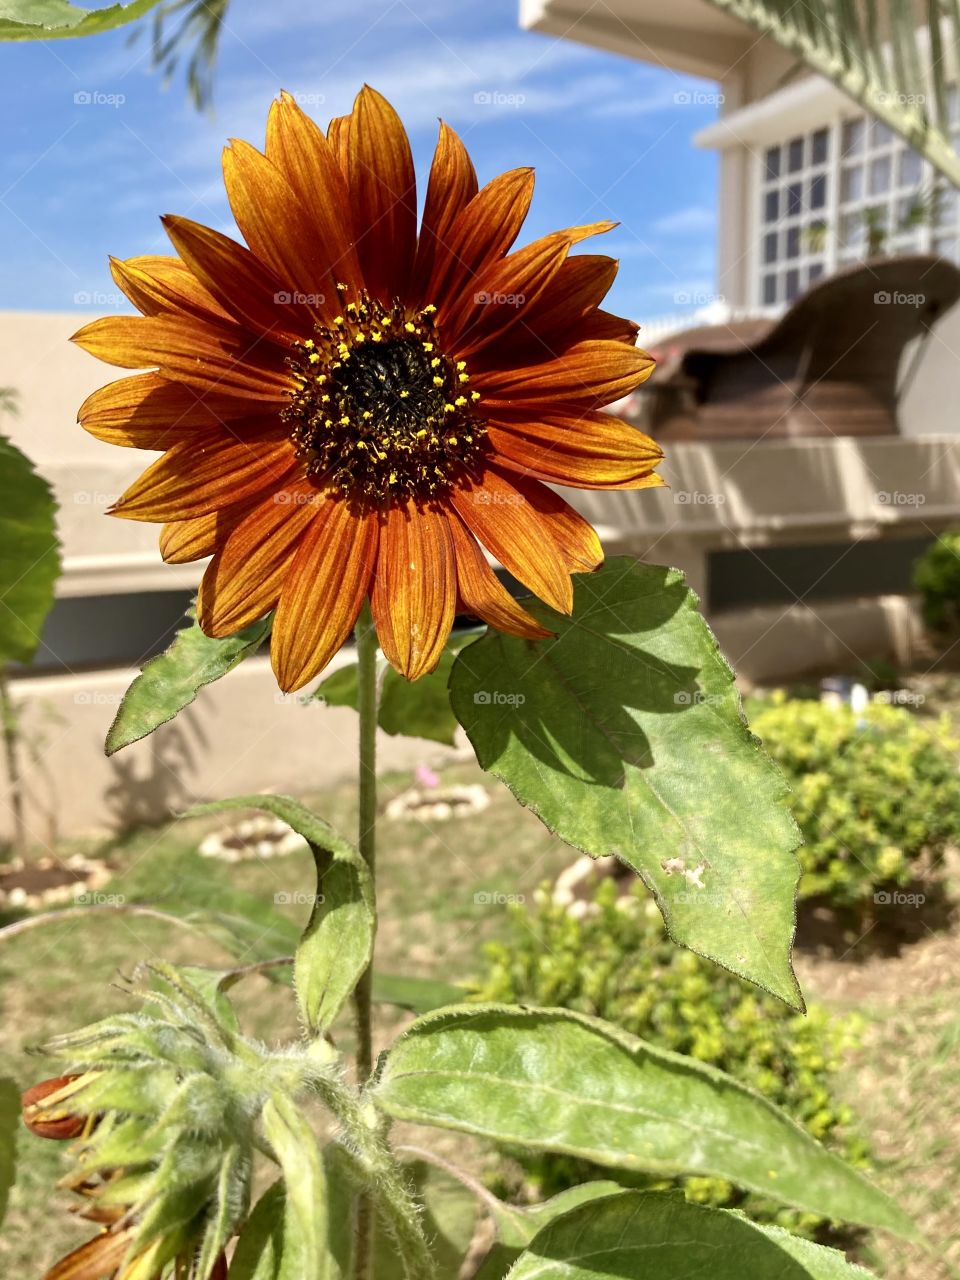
(366, 636)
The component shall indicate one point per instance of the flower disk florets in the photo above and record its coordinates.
(379, 409)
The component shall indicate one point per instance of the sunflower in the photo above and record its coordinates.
(349, 410)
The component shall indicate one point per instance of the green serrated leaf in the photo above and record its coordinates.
(57, 19)
(172, 680)
(624, 734)
(305, 1254)
(652, 1235)
(337, 944)
(554, 1080)
(29, 553)
(9, 1126)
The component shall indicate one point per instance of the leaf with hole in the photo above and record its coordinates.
(624, 734)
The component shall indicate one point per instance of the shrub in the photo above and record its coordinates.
(616, 962)
(936, 575)
(876, 794)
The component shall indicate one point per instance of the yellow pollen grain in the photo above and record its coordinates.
(434, 362)
(428, 346)
(461, 364)
(404, 394)
(438, 382)
(410, 327)
(376, 336)
(367, 415)
(463, 377)
(429, 309)
(314, 357)
(460, 401)
(474, 395)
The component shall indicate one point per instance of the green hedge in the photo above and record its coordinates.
(617, 963)
(876, 794)
(936, 575)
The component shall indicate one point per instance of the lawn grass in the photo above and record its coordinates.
(440, 892)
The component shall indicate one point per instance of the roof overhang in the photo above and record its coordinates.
(798, 105)
(689, 36)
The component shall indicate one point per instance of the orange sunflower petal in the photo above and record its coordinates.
(157, 284)
(244, 579)
(505, 289)
(562, 316)
(278, 228)
(481, 233)
(327, 582)
(383, 193)
(500, 516)
(184, 541)
(299, 149)
(243, 286)
(450, 188)
(194, 479)
(575, 537)
(212, 357)
(590, 374)
(587, 450)
(148, 412)
(414, 597)
(338, 133)
(482, 592)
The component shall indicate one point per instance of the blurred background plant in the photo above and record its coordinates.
(614, 960)
(29, 568)
(936, 576)
(876, 793)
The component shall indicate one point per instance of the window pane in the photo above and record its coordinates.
(771, 206)
(910, 168)
(851, 184)
(769, 247)
(851, 230)
(818, 191)
(814, 272)
(881, 135)
(854, 132)
(880, 173)
(769, 290)
(945, 246)
(773, 162)
(792, 284)
(794, 199)
(820, 144)
(945, 213)
(793, 243)
(794, 155)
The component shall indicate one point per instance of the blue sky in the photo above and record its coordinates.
(610, 138)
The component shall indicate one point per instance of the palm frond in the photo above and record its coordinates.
(896, 58)
(191, 29)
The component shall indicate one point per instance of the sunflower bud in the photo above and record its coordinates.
(165, 1103)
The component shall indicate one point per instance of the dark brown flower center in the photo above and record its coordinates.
(379, 409)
